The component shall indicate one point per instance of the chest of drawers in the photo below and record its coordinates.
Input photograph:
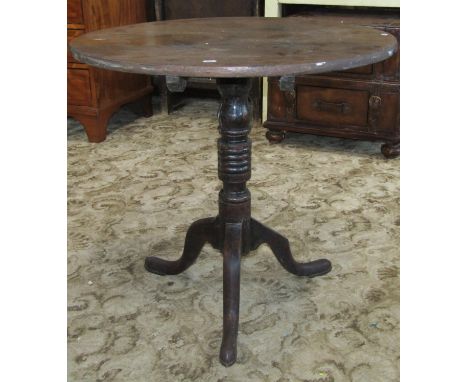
(361, 103)
(93, 95)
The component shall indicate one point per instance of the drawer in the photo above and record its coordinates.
(74, 12)
(329, 106)
(71, 34)
(79, 87)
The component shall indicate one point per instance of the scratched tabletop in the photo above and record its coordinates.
(234, 47)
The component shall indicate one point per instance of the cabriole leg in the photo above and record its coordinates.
(280, 248)
(200, 232)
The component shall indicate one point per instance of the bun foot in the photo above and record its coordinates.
(275, 136)
(390, 150)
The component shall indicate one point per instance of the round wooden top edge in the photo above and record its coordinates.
(238, 71)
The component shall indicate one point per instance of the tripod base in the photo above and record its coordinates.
(233, 239)
(233, 231)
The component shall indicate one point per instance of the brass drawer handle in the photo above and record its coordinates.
(341, 107)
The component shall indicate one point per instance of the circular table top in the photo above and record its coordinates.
(234, 47)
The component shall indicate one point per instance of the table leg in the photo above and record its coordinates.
(231, 292)
(279, 245)
(234, 231)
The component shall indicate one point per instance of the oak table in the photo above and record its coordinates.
(233, 50)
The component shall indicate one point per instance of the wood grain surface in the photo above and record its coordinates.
(234, 47)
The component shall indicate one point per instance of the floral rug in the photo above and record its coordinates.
(136, 193)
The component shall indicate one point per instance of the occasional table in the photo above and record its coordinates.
(233, 50)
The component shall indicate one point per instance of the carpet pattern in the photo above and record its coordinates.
(135, 195)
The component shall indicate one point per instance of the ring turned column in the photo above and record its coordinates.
(234, 155)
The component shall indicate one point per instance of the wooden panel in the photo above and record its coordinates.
(183, 9)
(79, 87)
(328, 106)
(74, 12)
(391, 66)
(276, 101)
(387, 114)
(77, 65)
(361, 3)
(111, 85)
(109, 13)
(71, 34)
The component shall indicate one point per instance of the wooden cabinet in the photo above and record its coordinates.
(93, 95)
(361, 103)
(186, 9)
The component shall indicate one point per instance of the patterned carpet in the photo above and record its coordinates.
(135, 194)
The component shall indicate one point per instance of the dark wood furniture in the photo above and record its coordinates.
(93, 95)
(360, 103)
(188, 9)
(234, 50)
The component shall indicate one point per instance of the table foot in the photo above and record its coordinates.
(280, 246)
(200, 232)
(232, 251)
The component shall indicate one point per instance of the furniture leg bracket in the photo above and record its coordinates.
(176, 84)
